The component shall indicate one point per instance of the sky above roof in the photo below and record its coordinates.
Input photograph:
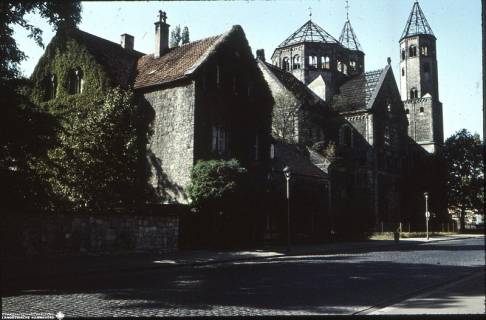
(378, 25)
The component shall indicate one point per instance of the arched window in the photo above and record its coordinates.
(346, 135)
(412, 51)
(424, 50)
(403, 72)
(313, 61)
(339, 66)
(413, 93)
(345, 68)
(352, 65)
(407, 111)
(76, 81)
(403, 54)
(285, 64)
(53, 87)
(296, 62)
(325, 62)
(421, 109)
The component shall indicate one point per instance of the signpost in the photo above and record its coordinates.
(427, 214)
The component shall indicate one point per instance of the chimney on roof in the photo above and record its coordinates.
(161, 35)
(260, 53)
(127, 41)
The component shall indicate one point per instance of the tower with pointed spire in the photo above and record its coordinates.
(316, 58)
(419, 81)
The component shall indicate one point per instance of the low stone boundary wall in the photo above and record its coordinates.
(70, 234)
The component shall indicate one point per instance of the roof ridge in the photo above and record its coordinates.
(106, 40)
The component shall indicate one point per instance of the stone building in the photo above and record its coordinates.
(382, 139)
(206, 99)
(209, 101)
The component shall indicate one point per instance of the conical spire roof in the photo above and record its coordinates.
(309, 32)
(416, 24)
(348, 38)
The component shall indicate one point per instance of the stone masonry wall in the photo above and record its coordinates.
(69, 234)
(171, 149)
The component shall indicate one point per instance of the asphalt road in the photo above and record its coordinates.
(293, 285)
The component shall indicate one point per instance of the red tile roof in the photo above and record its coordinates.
(173, 65)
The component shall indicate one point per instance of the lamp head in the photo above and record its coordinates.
(426, 195)
(287, 172)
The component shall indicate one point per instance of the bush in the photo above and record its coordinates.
(215, 182)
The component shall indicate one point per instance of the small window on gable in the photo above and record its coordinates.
(75, 81)
(412, 51)
(425, 50)
(403, 54)
(296, 62)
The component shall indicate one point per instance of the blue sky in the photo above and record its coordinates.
(378, 25)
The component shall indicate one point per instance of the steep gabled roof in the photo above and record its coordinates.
(348, 38)
(417, 23)
(360, 92)
(291, 83)
(309, 32)
(118, 62)
(299, 159)
(179, 62)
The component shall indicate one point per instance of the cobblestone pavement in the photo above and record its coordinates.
(289, 285)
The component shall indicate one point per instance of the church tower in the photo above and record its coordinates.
(419, 82)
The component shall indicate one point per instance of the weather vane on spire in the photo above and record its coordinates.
(310, 13)
(347, 10)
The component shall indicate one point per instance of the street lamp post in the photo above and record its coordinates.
(287, 174)
(427, 214)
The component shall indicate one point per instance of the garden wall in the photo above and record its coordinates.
(69, 234)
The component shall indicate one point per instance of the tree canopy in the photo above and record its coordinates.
(58, 13)
(463, 153)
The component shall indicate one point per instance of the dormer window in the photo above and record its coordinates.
(76, 81)
(412, 51)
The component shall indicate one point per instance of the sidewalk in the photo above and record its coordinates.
(69, 266)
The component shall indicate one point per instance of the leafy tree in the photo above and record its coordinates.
(175, 37)
(96, 165)
(58, 13)
(26, 130)
(185, 35)
(284, 118)
(465, 183)
(214, 181)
